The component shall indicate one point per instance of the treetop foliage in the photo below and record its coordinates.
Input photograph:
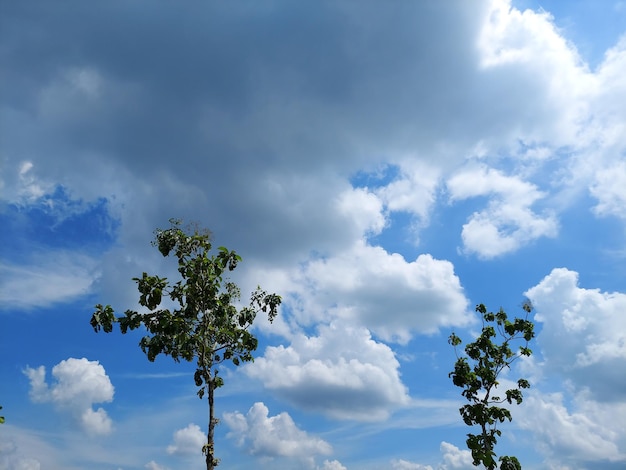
(206, 324)
(477, 374)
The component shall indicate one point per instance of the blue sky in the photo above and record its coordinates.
(383, 168)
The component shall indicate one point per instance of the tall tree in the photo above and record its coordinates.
(478, 373)
(205, 325)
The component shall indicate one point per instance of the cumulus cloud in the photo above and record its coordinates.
(582, 342)
(591, 431)
(285, 124)
(413, 190)
(355, 285)
(79, 383)
(363, 208)
(582, 335)
(546, 74)
(342, 372)
(453, 458)
(188, 441)
(508, 222)
(274, 436)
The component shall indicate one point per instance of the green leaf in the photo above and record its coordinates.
(477, 374)
(204, 322)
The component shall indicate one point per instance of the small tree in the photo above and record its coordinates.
(205, 325)
(478, 375)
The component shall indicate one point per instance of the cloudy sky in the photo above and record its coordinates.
(382, 166)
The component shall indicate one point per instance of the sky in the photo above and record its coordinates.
(384, 167)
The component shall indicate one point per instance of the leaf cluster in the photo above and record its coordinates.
(477, 374)
(205, 322)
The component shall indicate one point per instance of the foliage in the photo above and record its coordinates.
(1, 417)
(205, 325)
(478, 375)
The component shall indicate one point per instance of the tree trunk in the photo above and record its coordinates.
(210, 453)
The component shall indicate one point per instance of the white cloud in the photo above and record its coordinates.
(284, 135)
(593, 431)
(455, 458)
(582, 342)
(611, 89)
(583, 332)
(342, 373)
(331, 465)
(401, 464)
(413, 191)
(96, 422)
(12, 459)
(364, 210)
(53, 277)
(188, 441)
(544, 76)
(29, 187)
(79, 384)
(23, 449)
(368, 286)
(508, 223)
(273, 436)
(610, 190)
(152, 465)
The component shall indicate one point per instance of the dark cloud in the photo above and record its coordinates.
(261, 110)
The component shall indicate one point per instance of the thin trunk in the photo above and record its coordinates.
(210, 454)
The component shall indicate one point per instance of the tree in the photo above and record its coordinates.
(478, 375)
(205, 325)
(1, 417)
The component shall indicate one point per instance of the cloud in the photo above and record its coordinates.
(355, 285)
(56, 277)
(582, 342)
(23, 449)
(610, 190)
(453, 458)
(401, 464)
(263, 152)
(508, 223)
(13, 459)
(51, 250)
(78, 385)
(544, 76)
(342, 373)
(582, 336)
(274, 436)
(592, 431)
(188, 441)
(28, 188)
(152, 465)
(413, 191)
(364, 208)
(331, 465)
